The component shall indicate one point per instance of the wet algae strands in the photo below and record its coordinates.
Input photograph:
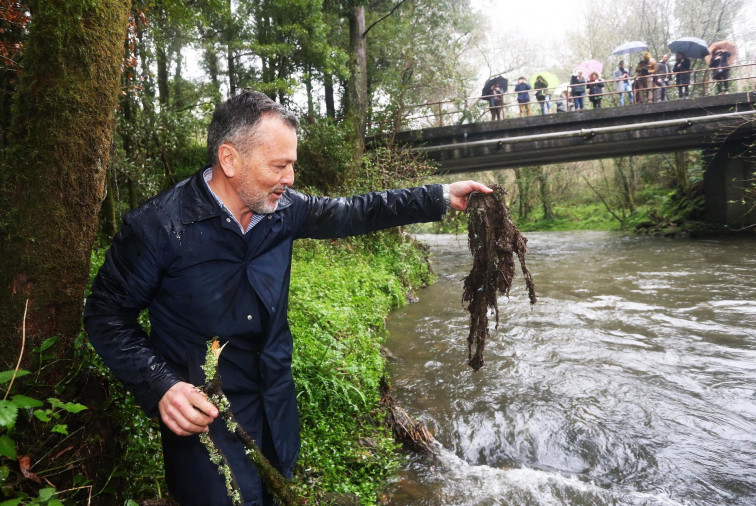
(493, 239)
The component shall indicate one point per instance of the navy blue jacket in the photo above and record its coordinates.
(183, 258)
(522, 95)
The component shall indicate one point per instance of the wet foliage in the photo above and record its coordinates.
(493, 240)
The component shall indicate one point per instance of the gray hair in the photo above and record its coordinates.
(235, 121)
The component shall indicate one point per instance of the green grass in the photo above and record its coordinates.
(570, 217)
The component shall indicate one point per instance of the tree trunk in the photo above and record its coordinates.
(681, 171)
(308, 87)
(329, 100)
(625, 180)
(543, 183)
(54, 175)
(357, 86)
(161, 58)
(522, 180)
(231, 64)
(212, 64)
(179, 99)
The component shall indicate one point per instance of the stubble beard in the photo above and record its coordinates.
(259, 201)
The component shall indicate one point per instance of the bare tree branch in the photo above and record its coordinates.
(364, 34)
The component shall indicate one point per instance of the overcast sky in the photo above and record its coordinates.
(542, 21)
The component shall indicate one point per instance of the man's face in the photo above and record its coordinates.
(621, 64)
(665, 57)
(268, 169)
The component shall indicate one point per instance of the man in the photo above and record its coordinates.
(682, 75)
(623, 83)
(211, 256)
(523, 96)
(661, 79)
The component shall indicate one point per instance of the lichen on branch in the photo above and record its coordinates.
(274, 481)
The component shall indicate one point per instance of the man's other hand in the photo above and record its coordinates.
(460, 191)
(185, 410)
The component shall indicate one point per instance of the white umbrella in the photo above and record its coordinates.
(635, 46)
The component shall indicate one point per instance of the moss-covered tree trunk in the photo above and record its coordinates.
(53, 173)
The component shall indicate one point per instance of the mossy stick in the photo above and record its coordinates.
(277, 485)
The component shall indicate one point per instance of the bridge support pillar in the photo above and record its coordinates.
(730, 170)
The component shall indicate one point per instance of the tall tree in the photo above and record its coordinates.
(357, 85)
(422, 56)
(710, 20)
(53, 171)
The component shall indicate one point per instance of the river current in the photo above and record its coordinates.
(631, 381)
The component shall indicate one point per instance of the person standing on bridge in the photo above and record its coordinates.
(623, 83)
(523, 96)
(577, 89)
(661, 79)
(643, 84)
(721, 73)
(542, 94)
(496, 101)
(211, 256)
(595, 90)
(682, 75)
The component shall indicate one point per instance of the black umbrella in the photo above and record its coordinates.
(488, 87)
(692, 47)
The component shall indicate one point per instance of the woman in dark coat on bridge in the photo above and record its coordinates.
(721, 73)
(595, 90)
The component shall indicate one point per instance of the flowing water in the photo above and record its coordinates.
(631, 381)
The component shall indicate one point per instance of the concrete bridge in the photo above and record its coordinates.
(722, 125)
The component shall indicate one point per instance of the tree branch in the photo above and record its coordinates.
(606, 204)
(276, 483)
(364, 34)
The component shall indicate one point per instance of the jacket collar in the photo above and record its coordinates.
(197, 203)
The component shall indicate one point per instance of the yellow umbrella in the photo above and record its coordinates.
(552, 81)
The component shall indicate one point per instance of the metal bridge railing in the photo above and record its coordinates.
(473, 110)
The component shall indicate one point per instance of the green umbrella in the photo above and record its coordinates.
(551, 79)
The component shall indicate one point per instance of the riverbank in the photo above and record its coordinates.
(341, 293)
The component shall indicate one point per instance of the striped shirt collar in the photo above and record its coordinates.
(256, 218)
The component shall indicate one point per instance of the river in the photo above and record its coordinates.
(631, 381)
